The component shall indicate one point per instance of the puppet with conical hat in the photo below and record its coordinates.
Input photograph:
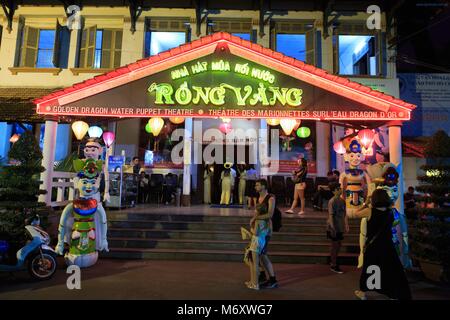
(83, 224)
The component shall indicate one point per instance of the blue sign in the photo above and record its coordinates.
(115, 163)
(431, 93)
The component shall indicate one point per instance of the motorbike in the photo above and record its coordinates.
(36, 256)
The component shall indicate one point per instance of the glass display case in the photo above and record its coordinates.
(123, 189)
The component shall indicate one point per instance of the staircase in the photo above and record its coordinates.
(195, 236)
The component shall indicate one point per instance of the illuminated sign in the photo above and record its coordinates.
(221, 84)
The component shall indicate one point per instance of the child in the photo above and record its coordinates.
(337, 224)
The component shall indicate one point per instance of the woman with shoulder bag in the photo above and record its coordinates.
(300, 186)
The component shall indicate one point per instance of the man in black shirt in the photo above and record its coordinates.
(323, 191)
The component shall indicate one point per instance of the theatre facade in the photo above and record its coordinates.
(235, 67)
(220, 77)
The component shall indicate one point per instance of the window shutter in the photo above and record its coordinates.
(231, 26)
(106, 48)
(87, 47)
(310, 36)
(111, 48)
(30, 40)
(117, 48)
(57, 44)
(168, 24)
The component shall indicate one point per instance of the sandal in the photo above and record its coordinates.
(251, 285)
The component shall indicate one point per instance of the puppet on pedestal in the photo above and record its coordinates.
(83, 224)
(353, 183)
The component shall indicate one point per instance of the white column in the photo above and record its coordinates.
(262, 147)
(322, 148)
(48, 160)
(187, 166)
(395, 154)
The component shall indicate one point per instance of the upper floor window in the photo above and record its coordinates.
(165, 34)
(295, 39)
(44, 48)
(239, 28)
(100, 48)
(357, 50)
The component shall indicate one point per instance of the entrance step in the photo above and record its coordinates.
(218, 226)
(224, 255)
(217, 235)
(201, 244)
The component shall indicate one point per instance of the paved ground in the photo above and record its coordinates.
(116, 279)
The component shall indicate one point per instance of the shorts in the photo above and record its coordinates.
(300, 186)
(339, 236)
(264, 249)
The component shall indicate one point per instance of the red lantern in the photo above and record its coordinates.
(225, 127)
(339, 147)
(366, 137)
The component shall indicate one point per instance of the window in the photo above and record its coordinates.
(164, 34)
(239, 28)
(293, 45)
(357, 55)
(44, 48)
(297, 40)
(357, 50)
(100, 48)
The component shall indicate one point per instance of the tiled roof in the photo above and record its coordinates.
(16, 103)
(236, 40)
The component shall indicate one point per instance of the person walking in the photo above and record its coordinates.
(261, 229)
(380, 251)
(300, 186)
(250, 191)
(337, 224)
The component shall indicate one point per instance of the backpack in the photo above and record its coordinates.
(276, 220)
(276, 217)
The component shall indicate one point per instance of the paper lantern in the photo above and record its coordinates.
(273, 122)
(148, 128)
(366, 137)
(303, 132)
(80, 128)
(108, 138)
(176, 120)
(95, 132)
(14, 138)
(225, 127)
(288, 125)
(156, 125)
(339, 147)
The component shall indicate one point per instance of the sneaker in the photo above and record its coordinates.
(360, 295)
(262, 277)
(269, 284)
(290, 211)
(336, 269)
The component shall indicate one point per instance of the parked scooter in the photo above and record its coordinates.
(36, 255)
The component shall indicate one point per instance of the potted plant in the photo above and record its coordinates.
(430, 237)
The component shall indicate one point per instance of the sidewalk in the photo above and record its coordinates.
(119, 279)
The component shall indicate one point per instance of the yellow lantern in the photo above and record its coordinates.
(156, 124)
(176, 120)
(288, 125)
(273, 122)
(80, 128)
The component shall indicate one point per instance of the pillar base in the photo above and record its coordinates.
(186, 200)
